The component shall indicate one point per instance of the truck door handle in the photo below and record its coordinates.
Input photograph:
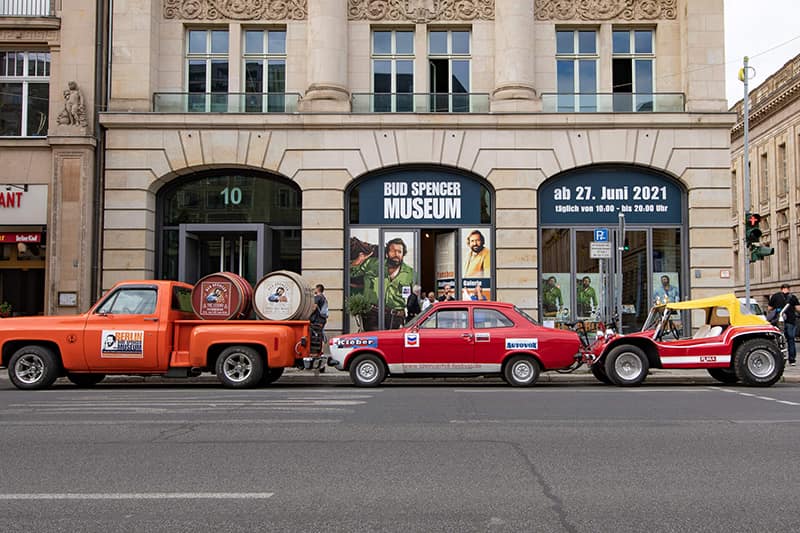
(151, 319)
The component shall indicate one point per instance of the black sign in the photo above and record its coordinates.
(597, 196)
(420, 197)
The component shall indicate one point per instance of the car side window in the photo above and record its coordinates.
(447, 319)
(130, 302)
(490, 318)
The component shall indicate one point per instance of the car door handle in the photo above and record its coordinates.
(466, 336)
(151, 319)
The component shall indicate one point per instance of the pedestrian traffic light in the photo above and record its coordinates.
(752, 233)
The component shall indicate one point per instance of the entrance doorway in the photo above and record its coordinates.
(239, 248)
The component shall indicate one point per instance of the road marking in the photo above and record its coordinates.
(167, 422)
(140, 496)
(756, 396)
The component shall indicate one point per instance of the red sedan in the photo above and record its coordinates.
(458, 338)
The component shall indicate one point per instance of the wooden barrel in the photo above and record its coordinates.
(222, 296)
(283, 295)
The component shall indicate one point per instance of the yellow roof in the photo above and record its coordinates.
(728, 301)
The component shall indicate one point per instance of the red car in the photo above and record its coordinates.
(458, 338)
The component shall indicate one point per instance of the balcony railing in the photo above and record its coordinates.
(225, 102)
(24, 8)
(613, 102)
(420, 102)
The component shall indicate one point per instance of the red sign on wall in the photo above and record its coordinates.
(20, 237)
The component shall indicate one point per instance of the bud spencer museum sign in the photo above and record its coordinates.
(419, 197)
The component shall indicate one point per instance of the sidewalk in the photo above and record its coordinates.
(331, 376)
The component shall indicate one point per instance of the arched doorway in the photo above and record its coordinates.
(418, 225)
(581, 213)
(246, 222)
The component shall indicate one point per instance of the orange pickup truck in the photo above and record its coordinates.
(149, 328)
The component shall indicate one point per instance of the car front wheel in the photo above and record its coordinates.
(626, 366)
(758, 362)
(367, 371)
(521, 371)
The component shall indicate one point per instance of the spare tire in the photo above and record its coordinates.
(283, 295)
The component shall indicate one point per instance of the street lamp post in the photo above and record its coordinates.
(744, 76)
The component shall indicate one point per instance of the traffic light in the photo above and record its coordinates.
(626, 244)
(751, 232)
(753, 236)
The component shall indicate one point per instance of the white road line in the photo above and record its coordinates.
(140, 496)
(595, 390)
(750, 395)
(212, 422)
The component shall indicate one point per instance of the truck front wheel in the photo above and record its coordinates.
(758, 363)
(626, 365)
(240, 367)
(33, 367)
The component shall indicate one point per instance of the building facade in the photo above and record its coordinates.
(485, 145)
(774, 157)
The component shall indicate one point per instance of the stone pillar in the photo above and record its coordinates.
(513, 59)
(327, 57)
(703, 36)
(135, 55)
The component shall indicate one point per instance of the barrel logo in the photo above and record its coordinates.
(412, 340)
(522, 344)
(216, 300)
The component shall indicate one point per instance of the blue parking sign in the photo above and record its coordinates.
(601, 235)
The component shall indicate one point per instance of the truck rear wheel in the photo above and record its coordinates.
(367, 371)
(758, 363)
(627, 365)
(85, 380)
(521, 371)
(239, 367)
(723, 375)
(33, 367)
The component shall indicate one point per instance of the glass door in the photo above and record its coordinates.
(208, 248)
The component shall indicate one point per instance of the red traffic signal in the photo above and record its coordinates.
(751, 231)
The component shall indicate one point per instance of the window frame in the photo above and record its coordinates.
(450, 56)
(209, 57)
(393, 57)
(634, 57)
(275, 101)
(580, 100)
(25, 80)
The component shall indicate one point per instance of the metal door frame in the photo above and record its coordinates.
(186, 230)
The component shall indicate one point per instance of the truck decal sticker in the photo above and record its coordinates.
(122, 344)
(522, 344)
(412, 340)
(357, 342)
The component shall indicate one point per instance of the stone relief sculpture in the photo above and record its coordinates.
(74, 113)
(236, 9)
(420, 11)
(606, 9)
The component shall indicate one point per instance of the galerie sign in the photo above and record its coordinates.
(414, 197)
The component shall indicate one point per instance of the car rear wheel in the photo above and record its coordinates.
(240, 367)
(85, 380)
(521, 371)
(724, 375)
(33, 367)
(758, 362)
(367, 371)
(626, 366)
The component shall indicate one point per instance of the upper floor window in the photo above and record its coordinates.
(632, 70)
(207, 69)
(24, 93)
(449, 64)
(576, 70)
(783, 178)
(734, 193)
(265, 70)
(764, 178)
(393, 70)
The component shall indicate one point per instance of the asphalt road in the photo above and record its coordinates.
(467, 456)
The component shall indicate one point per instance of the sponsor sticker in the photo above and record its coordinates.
(412, 340)
(522, 344)
(357, 342)
(122, 344)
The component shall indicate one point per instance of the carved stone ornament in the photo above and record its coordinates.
(420, 11)
(236, 9)
(606, 9)
(74, 113)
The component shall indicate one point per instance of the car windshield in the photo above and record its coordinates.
(654, 319)
(413, 322)
(525, 315)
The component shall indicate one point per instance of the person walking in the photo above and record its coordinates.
(413, 304)
(788, 301)
(318, 319)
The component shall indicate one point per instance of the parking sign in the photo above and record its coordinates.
(601, 235)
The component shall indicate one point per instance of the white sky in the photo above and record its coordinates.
(760, 30)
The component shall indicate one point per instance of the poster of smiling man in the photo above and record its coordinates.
(476, 264)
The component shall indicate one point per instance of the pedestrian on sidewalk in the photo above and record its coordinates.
(318, 319)
(787, 305)
(413, 303)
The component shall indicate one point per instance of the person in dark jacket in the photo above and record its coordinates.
(413, 303)
(779, 301)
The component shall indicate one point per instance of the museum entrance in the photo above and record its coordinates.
(238, 248)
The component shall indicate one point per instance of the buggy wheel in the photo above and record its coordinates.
(627, 366)
(758, 363)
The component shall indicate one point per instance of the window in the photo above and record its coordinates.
(130, 302)
(783, 255)
(447, 319)
(783, 178)
(207, 70)
(449, 62)
(734, 194)
(576, 67)
(490, 318)
(764, 178)
(393, 70)
(632, 70)
(265, 52)
(24, 93)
